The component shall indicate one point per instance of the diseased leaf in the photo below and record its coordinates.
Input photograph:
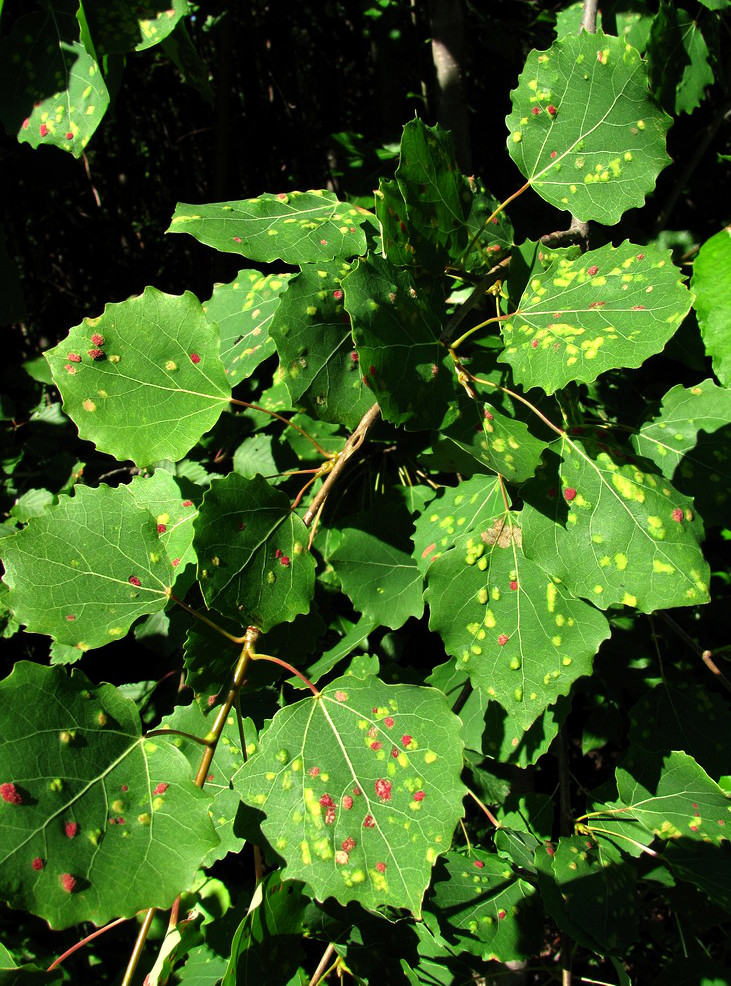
(713, 305)
(86, 569)
(360, 788)
(52, 91)
(608, 308)
(252, 553)
(296, 227)
(117, 27)
(401, 243)
(689, 441)
(507, 742)
(487, 241)
(311, 330)
(161, 495)
(243, 310)
(584, 129)
(144, 380)
(91, 802)
(612, 530)
(485, 908)
(396, 326)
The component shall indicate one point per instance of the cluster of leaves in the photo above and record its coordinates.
(515, 498)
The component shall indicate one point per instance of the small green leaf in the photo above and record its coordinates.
(678, 61)
(584, 129)
(86, 569)
(311, 330)
(609, 308)
(360, 788)
(486, 907)
(144, 380)
(174, 515)
(52, 91)
(243, 310)
(396, 321)
(614, 531)
(252, 553)
(689, 442)
(487, 241)
(402, 244)
(91, 802)
(296, 227)
(117, 27)
(713, 305)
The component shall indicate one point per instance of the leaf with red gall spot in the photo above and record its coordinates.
(161, 788)
(553, 154)
(503, 639)
(551, 110)
(187, 503)
(569, 494)
(395, 752)
(338, 295)
(405, 739)
(592, 271)
(347, 802)
(376, 745)
(71, 829)
(43, 130)
(513, 584)
(96, 353)
(341, 857)
(313, 771)
(383, 789)
(38, 863)
(71, 617)
(161, 528)
(357, 792)
(195, 358)
(74, 357)
(97, 340)
(478, 864)
(284, 560)
(678, 515)
(419, 795)
(381, 867)
(329, 816)
(349, 843)
(133, 580)
(68, 882)
(10, 794)
(278, 553)
(536, 110)
(326, 801)
(389, 721)
(640, 256)
(369, 822)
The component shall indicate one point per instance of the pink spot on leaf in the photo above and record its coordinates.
(381, 867)
(376, 745)
(389, 721)
(97, 340)
(341, 857)
(313, 771)
(338, 295)
(284, 560)
(354, 357)
(133, 580)
(74, 358)
(569, 494)
(329, 816)
(348, 843)
(551, 110)
(395, 752)
(591, 271)
(26, 123)
(369, 822)
(326, 801)
(43, 130)
(187, 503)
(161, 528)
(678, 518)
(10, 794)
(161, 788)
(69, 136)
(536, 110)
(38, 863)
(341, 696)
(428, 550)
(323, 242)
(419, 795)
(71, 617)
(553, 154)
(513, 585)
(71, 829)
(347, 802)
(68, 882)
(357, 792)
(638, 308)
(176, 562)
(534, 344)
(195, 358)
(597, 304)
(478, 864)
(502, 914)
(503, 639)
(405, 739)
(383, 789)
(237, 239)
(96, 353)
(640, 256)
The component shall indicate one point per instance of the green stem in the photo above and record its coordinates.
(483, 227)
(85, 941)
(489, 321)
(289, 667)
(204, 619)
(286, 421)
(485, 809)
(176, 732)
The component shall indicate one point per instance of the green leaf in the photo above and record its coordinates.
(117, 27)
(91, 802)
(152, 386)
(252, 553)
(86, 569)
(677, 57)
(584, 129)
(689, 442)
(434, 190)
(487, 241)
(350, 818)
(373, 561)
(396, 319)
(296, 227)
(51, 90)
(161, 495)
(311, 330)
(713, 305)
(521, 638)
(507, 742)
(671, 796)
(611, 532)
(609, 308)
(402, 244)
(243, 310)
(483, 905)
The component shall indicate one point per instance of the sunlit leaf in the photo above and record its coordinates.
(713, 305)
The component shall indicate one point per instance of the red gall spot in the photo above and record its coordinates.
(341, 857)
(693, 828)
(69, 136)
(357, 792)
(434, 369)
(337, 295)
(97, 340)
(419, 795)
(323, 242)
(402, 227)
(71, 829)
(10, 794)
(369, 822)
(330, 816)
(376, 745)
(67, 882)
(372, 732)
(534, 344)
(348, 843)
(71, 617)
(313, 771)
(503, 639)
(721, 822)
(428, 550)
(394, 752)
(553, 154)
(478, 864)
(112, 821)
(187, 503)
(569, 494)
(38, 863)
(74, 358)
(502, 914)
(69, 368)
(591, 271)
(536, 110)
(494, 222)
(381, 867)
(389, 721)
(640, 256)
(161, 788)
(697, 814)
(124, 787)
(278, 553)
(372, 370)
(383, 789)
(374, 710)
(694, 805)
(550, 849)
(26, 123)
(176, 562)
(405, 739)
(211, 777)
(161, 528)
(341, 696)
(486, 414)
(638, 308)
(678, 518)
(96, 353)
(284, 560)
(133, 580)
(513, 585)
(120, 820)
(282, 197)
(597, 304)
(195, 358)
(552, 110)
(43, 130)
(237, 239)
(212, 700)
(347, 802)
(354, 357)
(326, 801)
